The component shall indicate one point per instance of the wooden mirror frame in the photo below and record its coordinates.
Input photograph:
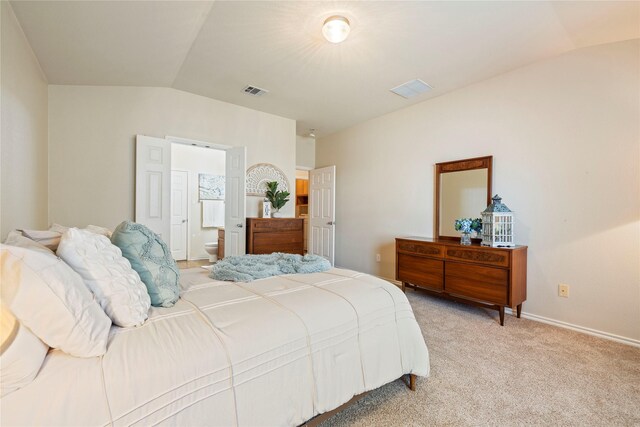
(458, 166)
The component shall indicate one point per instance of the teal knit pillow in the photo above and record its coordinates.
(151, 259)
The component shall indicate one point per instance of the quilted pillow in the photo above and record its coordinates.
(151, 259)
(117, 287)
(51, 299)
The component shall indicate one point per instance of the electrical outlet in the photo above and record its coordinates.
(563, 290)
(378, 257)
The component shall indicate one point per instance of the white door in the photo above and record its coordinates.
(322, 212)
(235, 211)
(153, 185)
(179, 214)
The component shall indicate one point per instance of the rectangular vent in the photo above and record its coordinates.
(255, 91)
(411, 88)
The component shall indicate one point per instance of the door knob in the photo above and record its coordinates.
(331, 223)
(184, 220)
(239, 225)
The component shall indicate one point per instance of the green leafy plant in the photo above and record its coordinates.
(467, 225)
(277, 198)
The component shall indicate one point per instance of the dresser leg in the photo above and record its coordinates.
(404, 284)
(519, 310)
(502, 315)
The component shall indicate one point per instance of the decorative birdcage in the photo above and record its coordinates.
(497, 224)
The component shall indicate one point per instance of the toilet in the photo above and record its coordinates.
(212, 250)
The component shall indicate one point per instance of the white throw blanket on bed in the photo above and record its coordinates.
(272, 352)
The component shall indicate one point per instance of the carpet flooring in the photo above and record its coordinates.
(525, 373)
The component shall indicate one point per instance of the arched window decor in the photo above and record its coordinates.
(259, 174)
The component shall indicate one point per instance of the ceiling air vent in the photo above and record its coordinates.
(255, 91)
(411, 88)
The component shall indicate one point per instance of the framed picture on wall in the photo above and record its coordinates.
(211, 187)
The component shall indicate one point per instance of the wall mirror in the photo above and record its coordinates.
(463, 190)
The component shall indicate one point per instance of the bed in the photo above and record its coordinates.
(275, 351)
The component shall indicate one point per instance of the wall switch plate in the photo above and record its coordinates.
(378, 257)
(563, 290)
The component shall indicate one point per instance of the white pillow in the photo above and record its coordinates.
(58, 228)
(117, 287)
(49, 298)
(15, 238)
(48, 238)
(92, 228)
(96, 229)
(21, 361)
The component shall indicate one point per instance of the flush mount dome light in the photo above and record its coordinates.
(336, 29)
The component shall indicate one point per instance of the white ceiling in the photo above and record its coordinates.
(216, 48)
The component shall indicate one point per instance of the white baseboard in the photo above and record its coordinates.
(561, 324)
(578, 328)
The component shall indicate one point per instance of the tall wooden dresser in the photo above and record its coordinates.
(490, 277)
(267, 235)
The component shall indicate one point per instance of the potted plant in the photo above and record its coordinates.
(277, 198)
(467, 225)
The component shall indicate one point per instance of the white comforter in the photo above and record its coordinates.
(272, 352)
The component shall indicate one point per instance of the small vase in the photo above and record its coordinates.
(465, 239)
(276, 214)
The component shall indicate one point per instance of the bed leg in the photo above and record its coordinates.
(411, 382)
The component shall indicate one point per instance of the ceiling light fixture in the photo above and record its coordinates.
(312, 133)
(336, 29)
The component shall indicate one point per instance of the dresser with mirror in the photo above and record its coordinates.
(486, 276)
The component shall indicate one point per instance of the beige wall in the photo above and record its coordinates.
(565, 136)
(305, 152)
(91, 139)
(197, 160)
(23, 146)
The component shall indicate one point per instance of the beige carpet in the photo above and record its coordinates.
(525, 373)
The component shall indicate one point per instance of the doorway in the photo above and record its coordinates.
(153, 195)
(302, 202)
(197, 201)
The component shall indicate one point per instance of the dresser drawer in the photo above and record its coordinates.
(419, 248)
(279, 224)
(420, 271)
(498, 258)
(267, 235)
(282, 241)
(477, 282)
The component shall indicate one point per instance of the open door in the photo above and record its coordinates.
(153, 185)
(322, 212)
(235, 202)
